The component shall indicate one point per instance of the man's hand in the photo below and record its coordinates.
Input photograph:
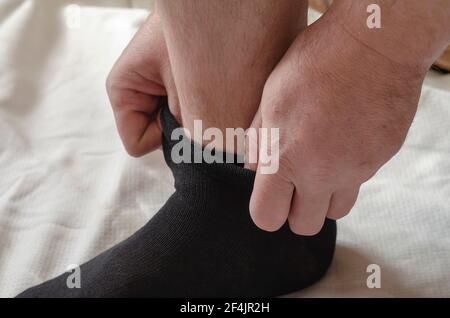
(343, 111)
(140, 76)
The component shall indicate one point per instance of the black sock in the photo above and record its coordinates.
(202, 243)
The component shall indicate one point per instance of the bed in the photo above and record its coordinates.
(68, 190)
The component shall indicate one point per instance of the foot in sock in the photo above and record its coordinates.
(202, 243)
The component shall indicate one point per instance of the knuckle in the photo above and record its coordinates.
(109, 83)
(275, 110)
(134, 151)
(322, 172)
(118, 98)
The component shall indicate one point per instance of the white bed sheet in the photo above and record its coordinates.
(68, 190)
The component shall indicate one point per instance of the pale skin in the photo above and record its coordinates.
(343, 96)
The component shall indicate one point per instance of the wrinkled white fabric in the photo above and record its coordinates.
(68, 191)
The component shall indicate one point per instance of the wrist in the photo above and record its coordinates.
(337, 59)
(349, 58)
(412, 34)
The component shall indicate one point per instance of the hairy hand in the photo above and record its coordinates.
(343, 111)
(140, 76)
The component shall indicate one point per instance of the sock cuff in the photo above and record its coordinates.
(233, 174)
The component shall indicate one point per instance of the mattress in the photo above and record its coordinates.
(68, 190)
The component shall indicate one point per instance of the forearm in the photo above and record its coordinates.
(413, 33)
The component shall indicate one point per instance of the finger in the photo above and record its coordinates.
(308, 212)
(251, 144)
(342, 202)
(139, 126)
(271, 201)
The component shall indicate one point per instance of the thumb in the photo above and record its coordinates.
(140, 128)
(272, 194)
